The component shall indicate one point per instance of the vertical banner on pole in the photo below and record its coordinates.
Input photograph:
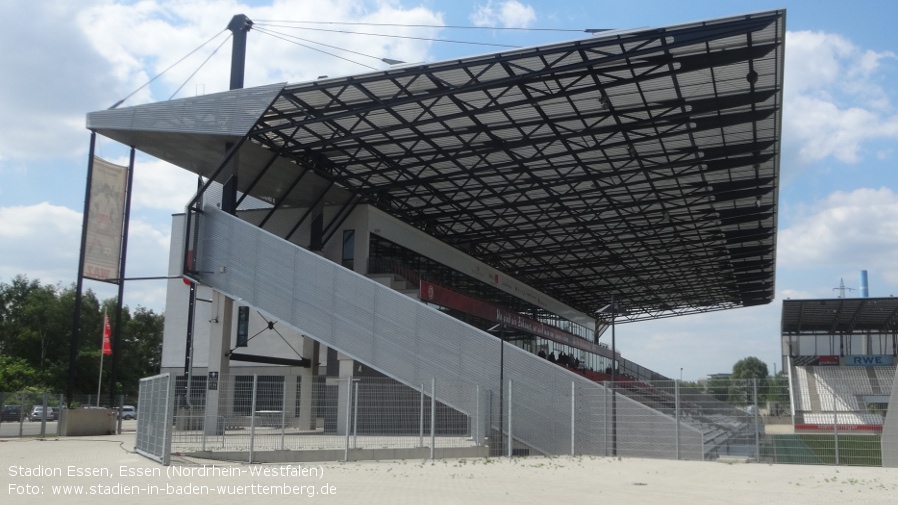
(106, 214)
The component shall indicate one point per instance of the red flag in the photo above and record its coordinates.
(107, 333)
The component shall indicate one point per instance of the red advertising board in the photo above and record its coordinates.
(444, 297)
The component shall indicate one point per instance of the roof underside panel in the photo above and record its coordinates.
(642, 164)
(835, 316)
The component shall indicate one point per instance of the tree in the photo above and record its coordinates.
(35, 331)
(140, 347)
(747, 372)
(778, 388)
(750, 368)
(15, 374)
(719, 388)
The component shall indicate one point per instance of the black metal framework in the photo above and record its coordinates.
(839, 326)
(642, 164)
(840, 316)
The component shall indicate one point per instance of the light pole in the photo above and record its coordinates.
(681, 374)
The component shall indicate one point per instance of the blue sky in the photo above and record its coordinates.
(62, 59)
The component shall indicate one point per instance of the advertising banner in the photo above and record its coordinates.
(873, 360)
(106, 214)
(443, 297)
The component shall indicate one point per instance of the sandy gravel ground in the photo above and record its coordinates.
(85, 470)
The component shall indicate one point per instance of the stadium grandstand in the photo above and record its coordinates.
(840, 355)
(475, 224)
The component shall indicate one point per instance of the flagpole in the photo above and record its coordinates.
(104, 350)
(102, 345)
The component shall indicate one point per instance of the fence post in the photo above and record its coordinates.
(605, 412)
(573, 416)
(22, 414)
(44, 418)
(355, 415)
(433, 415)
(510, 431)
(757, 428)
(284, 410)
(477, 414)
(121, 407)
(421, 420)
(192, 412)
(677, 414)
(348, 416)
(252, 418)
(835, 428)
(59, 407)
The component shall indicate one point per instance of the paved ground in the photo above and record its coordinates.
(83, 470)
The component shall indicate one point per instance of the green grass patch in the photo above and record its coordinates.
(820, 449)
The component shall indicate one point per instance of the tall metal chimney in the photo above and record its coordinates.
(239, 26)
(865, 291)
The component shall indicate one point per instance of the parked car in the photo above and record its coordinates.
(128, 412)
(11, 413)
(38, 411)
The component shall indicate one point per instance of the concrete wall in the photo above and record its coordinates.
(86, 422)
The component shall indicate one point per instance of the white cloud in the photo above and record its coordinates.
(508, 14)
(42, 242)
(825, 129)
(159, 185)
(855, 228)
(163, 186)
(833, 104)
(154, 35)
(702, 344)
(73, 57)
(796, 294)
(51, 77)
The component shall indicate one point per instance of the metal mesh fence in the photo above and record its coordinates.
(154, 422)
(30, 414)
(332, 417)
(246, 416)
(250, 417)
(38, 414)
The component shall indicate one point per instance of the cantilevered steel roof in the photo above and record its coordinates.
(640, 163)
(834, 316)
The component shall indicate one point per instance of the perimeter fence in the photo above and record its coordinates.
(258, 418)
(37, 414)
